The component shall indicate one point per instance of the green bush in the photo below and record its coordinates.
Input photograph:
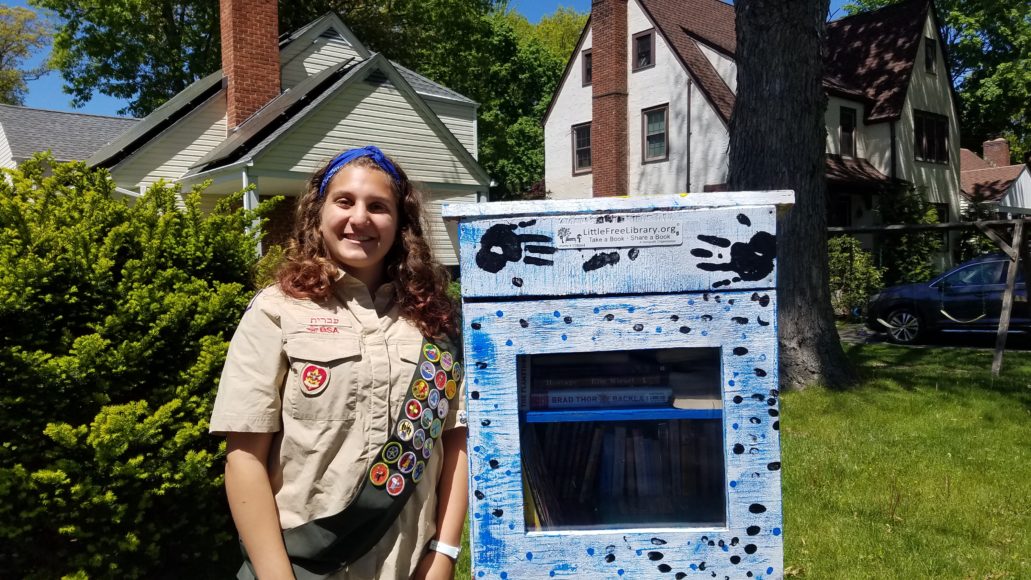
(973, 243)
(853, 275)
(908, 257)
(114, 322)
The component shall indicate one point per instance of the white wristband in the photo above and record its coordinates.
(447, 550)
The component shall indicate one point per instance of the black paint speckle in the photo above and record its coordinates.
(706, 318)
(759, 396)
(568, 320)
(610, 558)
(757, 508)
(761, 321)
(740, 351)
(681, 575)
(734, 541)
(655, 556)
(735, 560)
(601, 260)
(664, 568)
(684, 330)
(517, 282)
(485, 422)
(633, 253)
(481, 365)
(738, 399)
(743, 220)
(498, 512)
(773, 412)
(476, 325)
(754, 420)
(740, 319)
(638, 327)
(658, 542)
(494, 464)
(475, 395)
(715, 240)
(760, 373)
(753, 530)
(773, 466)
(776, 425)
(479, 494)
(739, 449)
(771, 401)
(674, 318)
(610, 317)
(523, 323)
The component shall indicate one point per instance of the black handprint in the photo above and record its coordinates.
(500, 245)
(752, 260)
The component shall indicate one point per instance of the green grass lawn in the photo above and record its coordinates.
(922, 471)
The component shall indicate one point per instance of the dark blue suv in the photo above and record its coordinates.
(966, 298)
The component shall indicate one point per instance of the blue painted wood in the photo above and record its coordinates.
(620, 414)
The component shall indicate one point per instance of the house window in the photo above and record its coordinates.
(847, 131)
(930, 55)
(655, 134)
(581, 148)
(931, 137)
(587, 67)
(644, 50)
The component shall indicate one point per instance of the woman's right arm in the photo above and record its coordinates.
(253, 504)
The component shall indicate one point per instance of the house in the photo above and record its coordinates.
(25, 131)
(995, 182)
(652, 116)
(281, 106)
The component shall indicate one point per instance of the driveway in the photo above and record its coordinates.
(857, 333)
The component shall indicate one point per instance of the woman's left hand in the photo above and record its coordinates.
(434, 566)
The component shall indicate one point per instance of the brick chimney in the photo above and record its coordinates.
(609, 91)
(997, 152)
(250, 56)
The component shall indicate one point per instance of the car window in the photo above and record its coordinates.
(978, 274)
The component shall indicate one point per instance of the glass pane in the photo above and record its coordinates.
(622, 439)
(656, 146)
(644, 50)
(583, 158)
(656, 122)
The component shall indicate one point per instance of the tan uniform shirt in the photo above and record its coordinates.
(325, 443)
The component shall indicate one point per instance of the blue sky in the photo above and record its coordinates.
(46, 93)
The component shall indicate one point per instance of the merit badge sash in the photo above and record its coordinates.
(325, 545)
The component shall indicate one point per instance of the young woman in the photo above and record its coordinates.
(339, 398)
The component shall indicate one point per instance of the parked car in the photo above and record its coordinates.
(967, 298)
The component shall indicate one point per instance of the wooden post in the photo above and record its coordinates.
(1007, 297)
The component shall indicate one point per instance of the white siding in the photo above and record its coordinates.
(6, 155)
(724, 65)
(460, 119)
(440, 240)
(572, 106)
(710, 143)
(171, 153)
(297, 65)
(1018, 198)
(360, 114)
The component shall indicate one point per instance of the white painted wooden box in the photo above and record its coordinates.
(622, 386)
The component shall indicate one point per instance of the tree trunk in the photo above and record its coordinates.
(777, 141)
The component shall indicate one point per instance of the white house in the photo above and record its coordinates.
(25, 131)
(994, 181)
(891, 115)
(282, 106)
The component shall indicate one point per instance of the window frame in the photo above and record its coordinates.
(651, 50)
(644, 134)
(930, 55)
(572, 133)
(931, 137)
(851, 134)
(586, 71)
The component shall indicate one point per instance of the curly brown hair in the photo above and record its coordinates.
(420, 282)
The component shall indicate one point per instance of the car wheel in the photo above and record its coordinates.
(906, 326)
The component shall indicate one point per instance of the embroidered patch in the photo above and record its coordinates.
(440, 380)
(396, 484)
(420, 389)
(420, 466)
(407, 462)
(446, 360)
(427, 370)
(314, 379)
(435, 429)
(456, 372)
(413, 409)
(450, 389)
(391, 452)
(443, 408)
(434, 398)
(378, 474)
(405, 430)
(431, 352)
(427, 418)
(418, 439)
(427, 449)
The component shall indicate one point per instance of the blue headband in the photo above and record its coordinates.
(370, 151)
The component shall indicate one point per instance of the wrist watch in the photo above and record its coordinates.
(448, 550)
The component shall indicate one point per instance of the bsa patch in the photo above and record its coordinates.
(420, 466)
(434, 398)
(420, 389)
(427, 370)
(450, 389)
(391, 451)
(413, 409)
(314, 379)
(427, 449)
(443, 408)
(419, 439)
(456, 372)
(435, 429)
(440, 379)
(446, 360)
(427, 418)
(378, 474)
(396, 484)
(431, 352)
(407, 462)
(405, 430)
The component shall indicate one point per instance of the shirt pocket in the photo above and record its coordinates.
(323, 381)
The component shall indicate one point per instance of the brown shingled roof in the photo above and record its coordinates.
(969, 160)
(988, 184)
(854, 174)
(874, 52)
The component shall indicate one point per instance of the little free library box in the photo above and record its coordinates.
(622, 386)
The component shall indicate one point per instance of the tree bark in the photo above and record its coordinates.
(777, 141)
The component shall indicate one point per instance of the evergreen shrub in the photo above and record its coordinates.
(853, 276)
(908, 256)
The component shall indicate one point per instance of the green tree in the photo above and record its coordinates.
(988, 43)
(21, 33)
(853, 275)
(114, 322)
(908, 256)
(559, 32)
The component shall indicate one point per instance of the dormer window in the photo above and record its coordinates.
(931, 137)
(847, 131)
(644, 50)
(586, 60)
(930, 55)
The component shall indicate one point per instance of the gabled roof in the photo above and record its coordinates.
(69, 136)
(969, 160)
(988, 184)
(855, 174)
(874, 53)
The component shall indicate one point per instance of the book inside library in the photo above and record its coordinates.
(630, 438)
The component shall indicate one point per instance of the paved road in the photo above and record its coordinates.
(859, 333)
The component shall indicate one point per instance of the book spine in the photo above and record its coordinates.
(581, 398)
(638, 380)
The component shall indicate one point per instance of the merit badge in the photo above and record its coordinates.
(378, 474)
(435, 429)
(427, 418)
(420, 389)
(420, 466)
(396, 484)
(440, 380)
(413, 409)
(427, 449)
(450, 389)
(405, 430)
(418, 439)
(443, 408)
(434, 399)
(392, 451)
(407, 462)
(456, 371)
(431, 352)
(446, 360)
(427, 370)
(314, 379)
